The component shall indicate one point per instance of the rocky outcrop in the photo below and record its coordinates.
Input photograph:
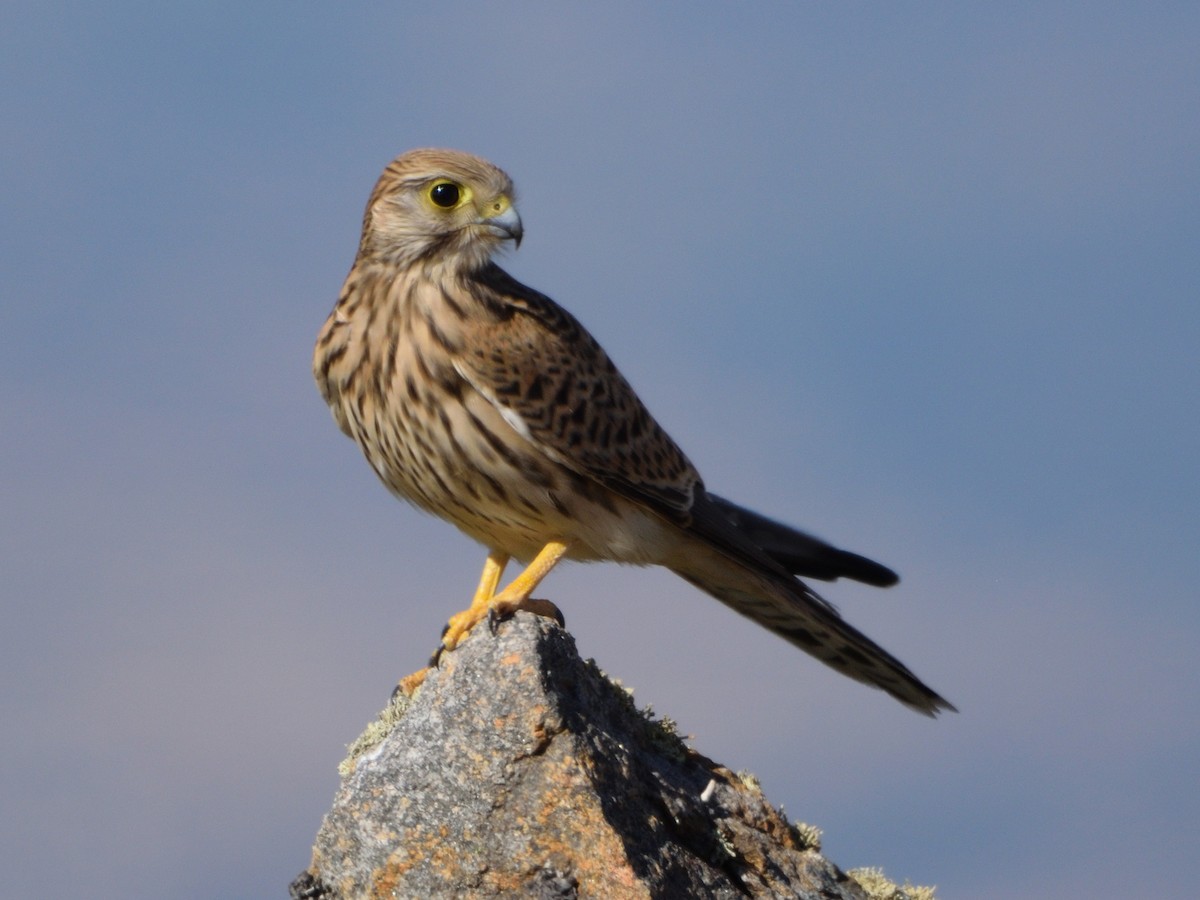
(519, 769)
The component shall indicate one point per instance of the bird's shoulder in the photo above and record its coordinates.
(514, 303)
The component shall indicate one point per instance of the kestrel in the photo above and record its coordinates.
(484, 402)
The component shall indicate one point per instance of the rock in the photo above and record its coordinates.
(519, 769)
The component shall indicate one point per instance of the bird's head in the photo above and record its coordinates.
(440, 204)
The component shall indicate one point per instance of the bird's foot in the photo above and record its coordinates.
(496, 610)
(499, 606)
(499, 612)
(460, 626)
(494, 607)
(408, 685)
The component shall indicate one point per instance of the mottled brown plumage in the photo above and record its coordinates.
(483, 402)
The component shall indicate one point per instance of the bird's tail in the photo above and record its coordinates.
(800, 553)
(793, 611)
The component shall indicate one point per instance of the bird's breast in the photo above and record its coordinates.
(436, 442)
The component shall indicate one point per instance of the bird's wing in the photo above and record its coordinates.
(553, 382)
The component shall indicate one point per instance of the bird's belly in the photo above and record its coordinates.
(456, 457)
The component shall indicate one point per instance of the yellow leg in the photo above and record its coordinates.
(493, 568)
(526, 583)
(509, 600)
(487, 602)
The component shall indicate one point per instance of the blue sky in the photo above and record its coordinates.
(920, 279)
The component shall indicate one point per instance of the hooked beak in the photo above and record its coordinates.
(506, 224)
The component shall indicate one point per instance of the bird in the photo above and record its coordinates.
(484, 402)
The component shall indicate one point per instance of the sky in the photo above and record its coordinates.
(921, 279)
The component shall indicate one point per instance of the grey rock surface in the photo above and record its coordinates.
(519, 769)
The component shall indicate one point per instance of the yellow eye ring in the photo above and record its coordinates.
(445, 194)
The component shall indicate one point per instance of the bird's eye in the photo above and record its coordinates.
(444, 194)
